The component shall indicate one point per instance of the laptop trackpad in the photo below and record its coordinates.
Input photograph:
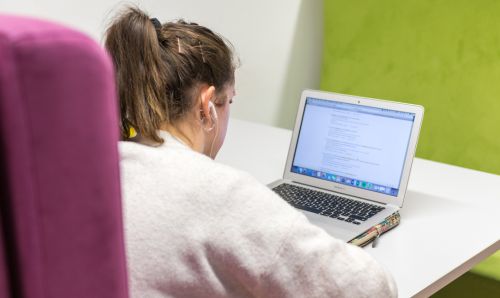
(338, 229)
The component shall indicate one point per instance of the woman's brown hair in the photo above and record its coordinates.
(157, 67)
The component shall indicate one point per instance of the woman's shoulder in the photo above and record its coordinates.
(174, 157)
(177, 172)
(169, 152)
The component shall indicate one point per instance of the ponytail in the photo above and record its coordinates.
(158, 67)
(140, 72)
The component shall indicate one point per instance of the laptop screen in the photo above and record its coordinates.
(355, 145)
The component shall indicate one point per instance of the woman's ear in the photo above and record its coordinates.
(207, 93)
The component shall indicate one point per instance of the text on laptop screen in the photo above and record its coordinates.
(355, 145)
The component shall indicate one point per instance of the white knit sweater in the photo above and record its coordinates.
(197, 228)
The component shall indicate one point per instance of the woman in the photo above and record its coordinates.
(196, 228)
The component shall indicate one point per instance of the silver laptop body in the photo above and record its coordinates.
(353, 147)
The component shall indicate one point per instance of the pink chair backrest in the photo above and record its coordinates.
(61, 232)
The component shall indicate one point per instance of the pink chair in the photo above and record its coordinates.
(61, 232)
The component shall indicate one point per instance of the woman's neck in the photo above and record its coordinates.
(185, 133)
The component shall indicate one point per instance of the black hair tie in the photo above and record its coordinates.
(156, 23)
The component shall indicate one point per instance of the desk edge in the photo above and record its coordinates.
(459, 271)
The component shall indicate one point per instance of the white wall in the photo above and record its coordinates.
(279, 42)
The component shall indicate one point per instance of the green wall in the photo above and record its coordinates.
(442, 54)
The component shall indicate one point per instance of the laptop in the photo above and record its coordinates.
(349, 160)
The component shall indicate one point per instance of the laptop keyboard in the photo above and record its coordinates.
(326, 204)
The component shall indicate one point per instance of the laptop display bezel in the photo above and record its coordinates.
(343, 188)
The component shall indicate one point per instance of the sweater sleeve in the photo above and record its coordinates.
(311, 263)
(301, 259)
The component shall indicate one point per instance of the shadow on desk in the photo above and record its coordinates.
(422, 207)
(419, 205)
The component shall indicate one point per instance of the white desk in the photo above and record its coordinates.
(441, 200)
